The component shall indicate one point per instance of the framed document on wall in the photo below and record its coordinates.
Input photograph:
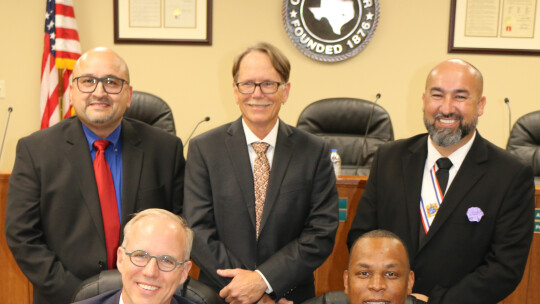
(494, 27)
(163, 21)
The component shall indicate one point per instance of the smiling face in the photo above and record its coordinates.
(148, 284)
(378, 272)
(260, 111)
(99, 111)
(453, 102)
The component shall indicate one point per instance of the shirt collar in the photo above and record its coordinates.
(114, 138)
(456, 158)
(269, 139)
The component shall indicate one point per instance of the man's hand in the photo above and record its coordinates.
(420, 297)
(246, 286)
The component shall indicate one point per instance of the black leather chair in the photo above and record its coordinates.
(343, 122)
(152, 110)
(339, 297)
(524, 140)
(193, 290)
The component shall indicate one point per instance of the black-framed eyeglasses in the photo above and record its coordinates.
(111, 84)
(267, 87)
(141, 258)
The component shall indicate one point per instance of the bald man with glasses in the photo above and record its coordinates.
(74, 185)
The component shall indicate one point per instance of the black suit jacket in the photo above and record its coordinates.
(113, 297)
(54, 226)
(299, 220)
(458, 261)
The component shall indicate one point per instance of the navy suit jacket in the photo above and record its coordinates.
(300, 215)
(458, 261)
(113, 297)
(54, 226)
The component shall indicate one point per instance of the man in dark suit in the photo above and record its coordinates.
(54, 219)
(268, 242)
(152, 233)
(379, 271)
(463, 206)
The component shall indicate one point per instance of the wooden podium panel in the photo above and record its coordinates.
(15, 288)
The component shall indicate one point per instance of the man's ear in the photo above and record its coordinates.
(410, 283)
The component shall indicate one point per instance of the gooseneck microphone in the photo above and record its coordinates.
(377, 97)
(10, 109)
(207, 118)
(507, 102)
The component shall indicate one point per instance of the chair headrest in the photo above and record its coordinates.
(152, 110)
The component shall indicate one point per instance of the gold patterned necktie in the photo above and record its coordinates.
(261, 173)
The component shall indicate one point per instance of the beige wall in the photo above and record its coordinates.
(195, 80)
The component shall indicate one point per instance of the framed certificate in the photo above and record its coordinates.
(494, 27)
(163, 21)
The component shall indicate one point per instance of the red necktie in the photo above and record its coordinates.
(107, 199)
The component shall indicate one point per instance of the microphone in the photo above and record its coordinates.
(207, 118)
(377, 97)
(507, 102)
(10, 109)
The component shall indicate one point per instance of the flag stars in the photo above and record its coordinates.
(50, 25)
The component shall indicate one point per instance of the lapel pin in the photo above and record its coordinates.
(475, 214)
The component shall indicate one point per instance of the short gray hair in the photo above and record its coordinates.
(163, 214)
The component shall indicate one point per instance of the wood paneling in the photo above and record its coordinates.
(15, 288)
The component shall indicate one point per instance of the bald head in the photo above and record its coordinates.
(101, 54)
(457, 68)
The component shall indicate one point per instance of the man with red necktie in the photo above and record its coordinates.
(75, 185)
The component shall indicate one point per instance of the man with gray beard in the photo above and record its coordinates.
(464, 207)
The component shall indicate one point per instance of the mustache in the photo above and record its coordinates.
(451, 115)
(100, 99)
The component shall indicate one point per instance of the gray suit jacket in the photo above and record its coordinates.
(300, 216)
(459, 260)
(54, 226)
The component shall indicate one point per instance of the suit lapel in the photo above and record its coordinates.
(132, 159)
(282, 157)
(413, 173)
(238, 155)
(77, 153)
(470, 172)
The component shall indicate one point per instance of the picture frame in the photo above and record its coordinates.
(187, 22)
(494, 27)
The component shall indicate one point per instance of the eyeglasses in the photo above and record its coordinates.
(141, 258)
(111, 85)
(267, 87)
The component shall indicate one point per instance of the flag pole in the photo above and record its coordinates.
(61, 93)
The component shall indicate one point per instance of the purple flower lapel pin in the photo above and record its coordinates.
(475, 214)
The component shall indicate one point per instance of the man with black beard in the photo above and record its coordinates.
(464, 207)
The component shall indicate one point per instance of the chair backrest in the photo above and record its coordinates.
(193, 290)
(152, 110)
(339, 297)
(343, 122)
(524, 140)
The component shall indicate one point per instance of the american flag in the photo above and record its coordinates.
(61, 49)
